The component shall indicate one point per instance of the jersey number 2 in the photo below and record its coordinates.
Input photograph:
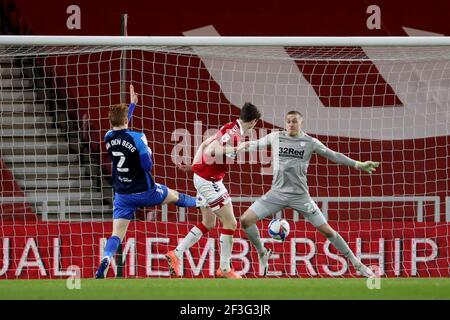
(121, 161)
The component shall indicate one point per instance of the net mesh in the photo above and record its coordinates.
(383, 104)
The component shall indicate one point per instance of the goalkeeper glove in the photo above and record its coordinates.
(367, 166)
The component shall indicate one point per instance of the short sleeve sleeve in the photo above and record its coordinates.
(142, 145)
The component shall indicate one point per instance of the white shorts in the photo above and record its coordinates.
(214, 192)
(273, 202)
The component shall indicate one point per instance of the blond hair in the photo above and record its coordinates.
(118, 114)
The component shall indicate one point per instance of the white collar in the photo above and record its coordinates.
(240, 126)
(299, 135)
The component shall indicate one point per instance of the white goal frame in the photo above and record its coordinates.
(220, 41)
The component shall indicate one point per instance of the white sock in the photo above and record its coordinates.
(226, 245)
(191, 238)
(340, 244)
(253, 235)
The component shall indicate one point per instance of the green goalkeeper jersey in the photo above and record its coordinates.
(291, 156)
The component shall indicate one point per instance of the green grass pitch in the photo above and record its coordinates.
(223, 289)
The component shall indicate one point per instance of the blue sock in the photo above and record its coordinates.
(185, 201)
(111, 246)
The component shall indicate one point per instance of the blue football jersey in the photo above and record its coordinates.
(131, 161)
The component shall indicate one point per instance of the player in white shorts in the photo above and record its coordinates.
(210, 166)
(291, 151)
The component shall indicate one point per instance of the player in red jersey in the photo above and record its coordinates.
(210, 166)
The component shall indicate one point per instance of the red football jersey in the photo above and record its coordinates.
(230, 134)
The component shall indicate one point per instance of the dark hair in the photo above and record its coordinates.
(118, 114)
(294, 112)
(249, 112)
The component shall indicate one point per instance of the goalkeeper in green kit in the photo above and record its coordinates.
(291, 151)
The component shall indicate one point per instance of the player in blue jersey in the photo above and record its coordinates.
(133, 183)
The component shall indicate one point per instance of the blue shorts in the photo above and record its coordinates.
(126, 204)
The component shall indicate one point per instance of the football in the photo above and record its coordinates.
(279, 229)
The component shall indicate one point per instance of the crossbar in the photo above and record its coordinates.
(220, 41)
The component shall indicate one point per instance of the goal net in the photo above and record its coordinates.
(386, 104)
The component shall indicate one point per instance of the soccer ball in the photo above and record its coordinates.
(279, 229)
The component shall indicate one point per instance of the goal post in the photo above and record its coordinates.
(394, 41)
(384, 99)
